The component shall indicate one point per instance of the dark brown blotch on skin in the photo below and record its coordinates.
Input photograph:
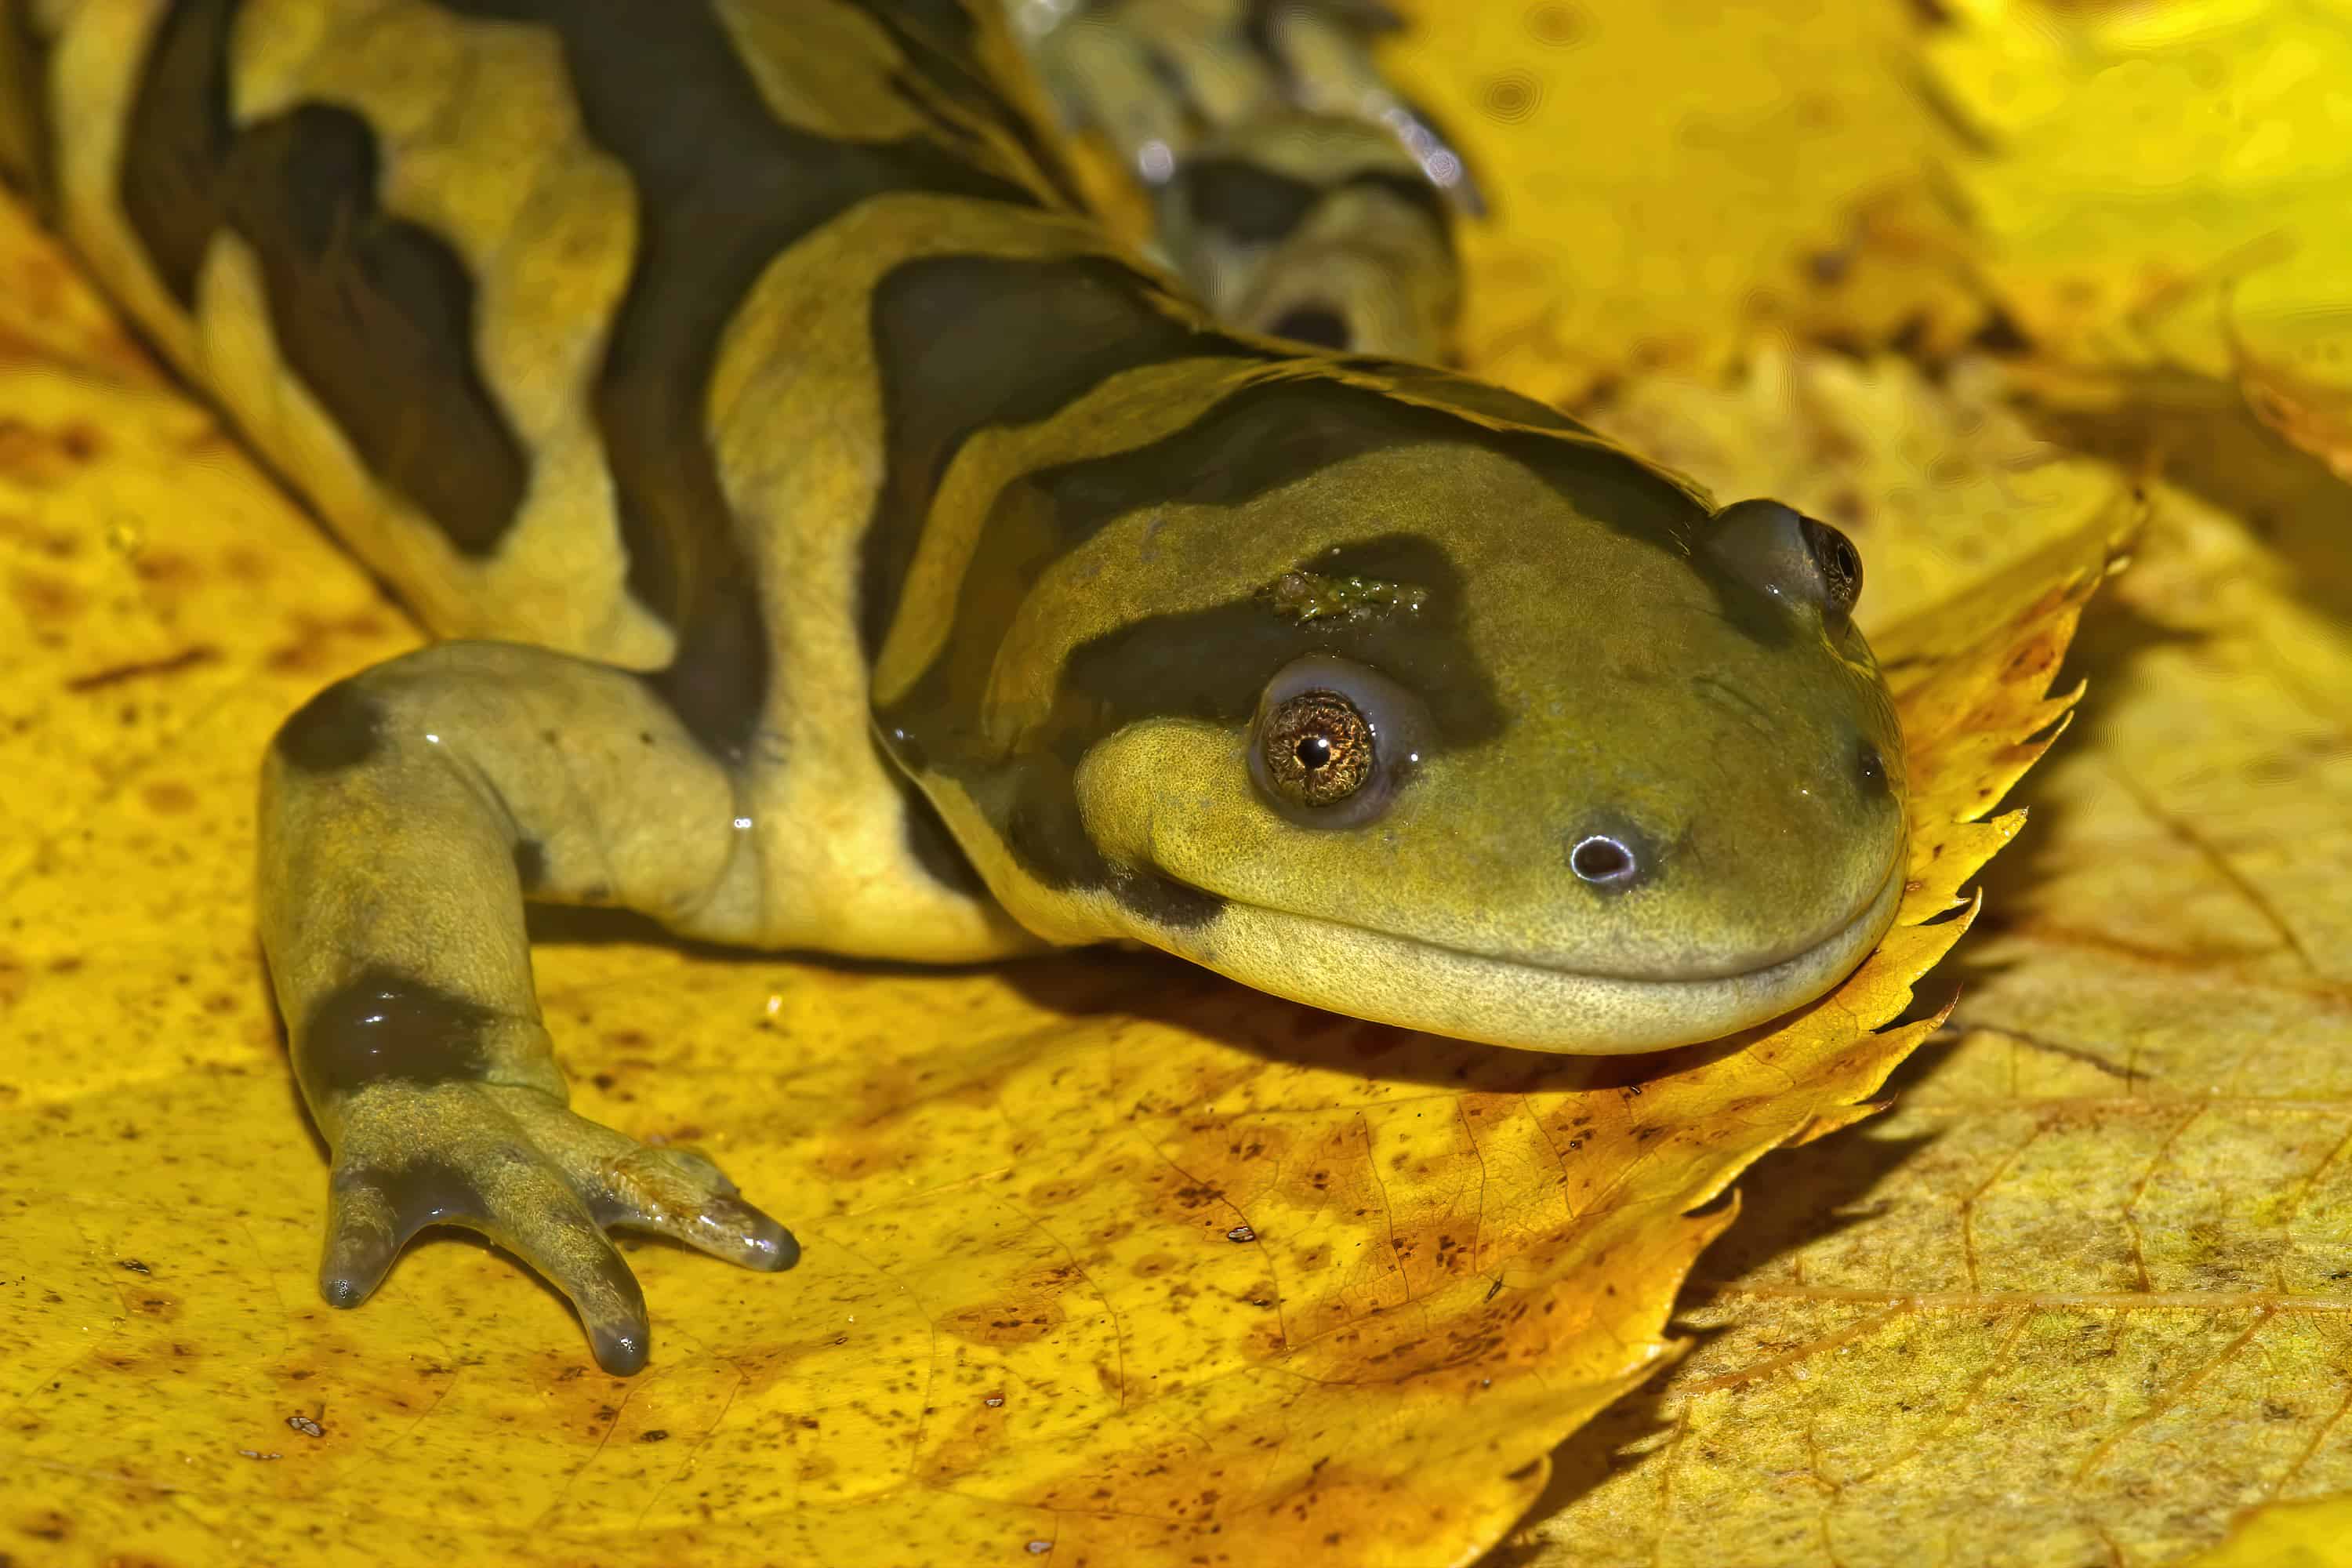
(1242, 200)
(1208, 664)
(1319, 325)
(941, 324)
(341, 727)
(375, 313)
(724, 188)
(1214, 663)
(1278, 432)
(941, 45)
(383, 1024)
(1044, 830)
(177, 137)
(1259, 205)
(1165, 902)
(531, 864)
(26, 153)
(1047, 836)
(929, 843)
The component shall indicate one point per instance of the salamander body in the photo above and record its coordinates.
(841, 542)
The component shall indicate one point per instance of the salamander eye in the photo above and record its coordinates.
(1316, 749)
(1789, 555)
(1333, 738)
(1840, 563)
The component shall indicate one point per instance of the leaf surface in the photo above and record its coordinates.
(1108, 1261)
(2149, 181)
(2082, 1296)
(1666, 179)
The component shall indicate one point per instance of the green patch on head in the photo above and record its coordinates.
(1304, 596)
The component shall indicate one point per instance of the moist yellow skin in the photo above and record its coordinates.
(1737, 745)
(843, 543)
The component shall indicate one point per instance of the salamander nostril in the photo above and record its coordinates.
(1603, 860)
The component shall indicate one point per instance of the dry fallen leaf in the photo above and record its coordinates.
(2298, 388)
(2135, 170)
(2285, 1535)
(1108, 1261)
(2082, 1296)
(1665, 177)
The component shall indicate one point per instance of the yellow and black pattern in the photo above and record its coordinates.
(1295, 191)
(882, 559)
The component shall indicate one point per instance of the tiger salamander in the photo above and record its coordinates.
(841, 543)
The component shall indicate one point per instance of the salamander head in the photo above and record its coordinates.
(1500, 735)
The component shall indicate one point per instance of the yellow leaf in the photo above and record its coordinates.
(2081, 1295)
(1108, 1260)
(1666, 178)
(2286, 1535)
(2299, 388)
(2126, 162)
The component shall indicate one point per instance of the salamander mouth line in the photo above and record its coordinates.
(1874, 909)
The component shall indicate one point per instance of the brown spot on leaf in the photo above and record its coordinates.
(166, 568)
(168, 797)
(115, 674)
(41, 457)
(46, 600)
(54, 543)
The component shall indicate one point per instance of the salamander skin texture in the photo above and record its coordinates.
(841, 542)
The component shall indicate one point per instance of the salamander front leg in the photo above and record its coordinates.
(405, 815)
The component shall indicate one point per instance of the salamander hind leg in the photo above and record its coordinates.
(405, 815)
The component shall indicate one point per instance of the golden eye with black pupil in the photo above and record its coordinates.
(1334, 740)
(1316, 749)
